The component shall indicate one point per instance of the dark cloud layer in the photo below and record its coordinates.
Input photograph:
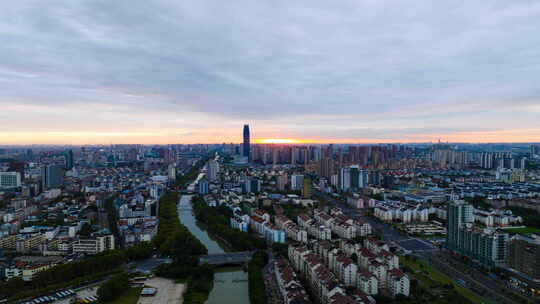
(348, 69)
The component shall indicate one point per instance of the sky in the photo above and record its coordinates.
(358, 71)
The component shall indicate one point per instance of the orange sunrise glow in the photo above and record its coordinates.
(277, 141)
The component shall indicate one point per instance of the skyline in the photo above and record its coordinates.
(156, 72)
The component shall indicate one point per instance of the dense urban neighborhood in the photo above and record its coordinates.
(275, 223)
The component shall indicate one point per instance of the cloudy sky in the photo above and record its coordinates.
(162, 71)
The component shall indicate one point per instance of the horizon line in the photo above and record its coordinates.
(284, 143)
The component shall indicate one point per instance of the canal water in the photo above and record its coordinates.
(230, 284)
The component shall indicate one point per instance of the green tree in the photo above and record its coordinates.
(113, 288)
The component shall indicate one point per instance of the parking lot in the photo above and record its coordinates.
(168, 292)
(83, 293)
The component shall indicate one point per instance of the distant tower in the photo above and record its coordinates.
(68, 155)
(246, 148)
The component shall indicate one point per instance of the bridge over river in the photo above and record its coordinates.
(230, 258)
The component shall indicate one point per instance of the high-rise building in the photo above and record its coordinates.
(52, 176)
(10, 180)
(523, 255)
(352, 178)
(347, 177)
(172, 172)
(535, 150)
(212, 170)
(68, 155)
(252, 185)
(326, 167)
(459, 214)
(488, 246)
(246, 148)
(203, 187)
(29, 155)
(282, 182)
(297, 182)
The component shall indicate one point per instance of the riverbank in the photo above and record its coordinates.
(175, 240)
(226, 246)
(217, 220)
(230, 284)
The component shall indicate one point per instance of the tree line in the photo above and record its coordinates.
(176, 241)
(74, 273)
(217, 221)
(113, 288)
(257, 289)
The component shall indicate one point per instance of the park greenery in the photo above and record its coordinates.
(113, 288)
(183, 180)
(478, 202)
(525, 230)
(173, 238)
(531, 218)
(257, 290)
(129, 296)
(217, 222)
(176, 241)
(431, 286)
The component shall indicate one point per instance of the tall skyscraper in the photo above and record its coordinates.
(172, 172)
(246, 148)
(68, 155)
(352, 178)
(488, 246)
(459, 214)
(282, 182)
(52, 176)
(297, 182)
(212, 170)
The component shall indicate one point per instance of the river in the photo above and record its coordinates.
(230, 284)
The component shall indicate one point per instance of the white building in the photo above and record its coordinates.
(367, 282)
(10, 180)
(172, 172)
(94, 245)
(398, 283)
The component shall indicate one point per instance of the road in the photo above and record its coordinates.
(477, 281)
(226, 258)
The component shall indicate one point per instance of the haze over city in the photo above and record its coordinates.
(78, 72)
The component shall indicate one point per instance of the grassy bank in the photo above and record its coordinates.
(176, 241)
(257, 288)
(217, 222)
(526, 230)
(436, 287)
